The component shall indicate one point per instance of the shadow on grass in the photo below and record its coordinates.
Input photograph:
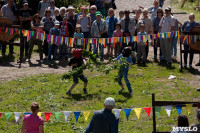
(80, 96)
(125, 94)
(5, 60)
(191, 70)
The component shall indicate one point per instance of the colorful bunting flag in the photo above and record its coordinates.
(168, 109)
(57, 115)
(127, 112)
(8, 115)
(86, 114)
(47, 116)
(39, 114)
(189, 107)
(17, 115)
(158, 109)
(198, 105)
(179, 108)
(27, 113)
(117, 112)
(138, 112)
(66, 114)
(148, 111)
(1, 114)
(77, 114)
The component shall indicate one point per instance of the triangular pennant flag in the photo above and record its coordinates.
(8, 115)
(27, 113)
(57, 115)
(148, 111)
(117, 112)
(17, 115)
(86, 114)
(189, 107)
(1, 114)
(179, 108)
(39, 114)
(168, 109)
(137, 112)
(198, 105)
(77, 114)
(47, 116)
(158, 109)
(66, 114)
(127, 112)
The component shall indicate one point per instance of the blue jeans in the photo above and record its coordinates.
(101, 50)
(52, 51)
(61, 50)
(174, 46)
(161, 3)
(125, 75)
(186, 47)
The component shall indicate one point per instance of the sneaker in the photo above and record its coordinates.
(85, 90)
(155, 57)
(121, 90)
(185, 65)
(190, 66)
(130, 93)
(28, 60)
(198, 89)
(69, 93)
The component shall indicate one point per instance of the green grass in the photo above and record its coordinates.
(49, 91)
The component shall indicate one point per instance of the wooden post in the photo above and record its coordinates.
(154, 113)
(21, 45)
(183, 3)
(181, 56)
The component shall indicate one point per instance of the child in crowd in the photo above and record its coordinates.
(77, 61)
(33, 123)
(78, 35)
(141, 45)
(56, 12)
(117, 33)
(67, 30)
(53, 47)
(126, 52)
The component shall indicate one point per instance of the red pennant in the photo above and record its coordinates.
(0, 114)
(198, 105)
(47, 115)
(148, 111)
(109, 40)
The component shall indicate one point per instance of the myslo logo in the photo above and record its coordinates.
(186, 129)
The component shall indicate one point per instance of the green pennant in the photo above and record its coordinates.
(57, 114)
(19, 31)
(8, 115)
(158, 109)
(33, 33)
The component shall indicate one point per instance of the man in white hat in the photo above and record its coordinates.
(71, 15)
(104, 121)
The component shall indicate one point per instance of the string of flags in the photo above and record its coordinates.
(86, 41)
(117, 112)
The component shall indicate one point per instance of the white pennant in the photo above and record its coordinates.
(168, 109)
(66, 113)
(117, 112)
(17, 115)
(112, 40)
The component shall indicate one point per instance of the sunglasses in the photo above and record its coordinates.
(93, 9)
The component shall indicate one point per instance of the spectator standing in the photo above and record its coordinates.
(101, 7)
(197, 125)
(187, 27)
(104, 121)
(71, 15)
(8, 12)
(37, 27)
(121, 15)
(26, 14)
(92, 14)
(42, 6)
(182, 122)
(99, 29)
(155, 30)
(48, 23)
(52, 7)
(61, 14)
(78, 35)
(117, 33)
(85, 22)
(33, 123)
(108, 5)
(111, 22)
(67, 30)
(161, 3)
(167, 24)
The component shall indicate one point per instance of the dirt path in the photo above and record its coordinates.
(10, 72)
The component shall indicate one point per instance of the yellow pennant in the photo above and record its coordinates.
(189, 107)
(163, 35)
(99, 40)
(52, 36)
(124, 39)
(86, 114)
(137, 112)
(39, 114)
(178, 35)
(168, 34)
(149, 39)
(43, 37)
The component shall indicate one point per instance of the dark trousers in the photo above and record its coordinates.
(32, 42)
(147, 49)
(45, 47)
(186, 47)
(156, 44)
(25, 46)
(10, 48)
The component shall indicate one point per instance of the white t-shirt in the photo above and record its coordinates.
(166, 23)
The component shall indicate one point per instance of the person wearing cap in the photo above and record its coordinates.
(67, 30)
(99, 30)
(128, 24)
(42, 6)
(26, 14)
(167, 24)
(48, 23)
(52, 7)
(61, 14)
(101, 7)
(197, 125)
(53, 47)
(71, 15)
(85, 22)
(104, 121)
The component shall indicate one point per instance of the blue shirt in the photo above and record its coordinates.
(187, 26)
(111, 22)
(55, 31)
(156, 22)
(80, 35)
(153, 11)
(128, 59)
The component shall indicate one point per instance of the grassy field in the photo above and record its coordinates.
(49, 90)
